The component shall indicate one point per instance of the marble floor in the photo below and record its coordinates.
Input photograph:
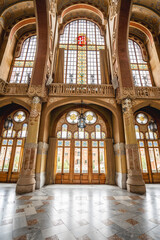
(82, 212)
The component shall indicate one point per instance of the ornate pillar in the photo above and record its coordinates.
(121, 168)
(51, 161)
(26, 182)
(41, 164)
(135, 181)
(110, 178)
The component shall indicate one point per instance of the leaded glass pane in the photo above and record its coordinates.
(142, 118)
(82, 41)
(139, 67)
(72, 117)
(90, 117)
(19, 116)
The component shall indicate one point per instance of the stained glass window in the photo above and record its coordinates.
(90, 117)
(23, 65)
(139, 67)
(72, 117)
(142, 118)
(19, 116)
(82, 41)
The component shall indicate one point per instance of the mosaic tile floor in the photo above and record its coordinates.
(81, 212)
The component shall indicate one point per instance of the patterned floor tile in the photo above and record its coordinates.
(52, 238)
(145, 237)
(132, 221)
(23, 237)
(114, 237)
(32, 222)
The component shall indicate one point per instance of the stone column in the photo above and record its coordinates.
(51, 161)
(121, 168)
(135, 181)
(26, 182)
(41, 164)
(110, 178)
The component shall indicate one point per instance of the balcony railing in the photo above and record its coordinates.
(147, 92)
(60, 89)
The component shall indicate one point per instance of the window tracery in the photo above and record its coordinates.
(82, 42)
(139, 67)
(22, 66)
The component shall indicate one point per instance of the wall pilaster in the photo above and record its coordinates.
(26, 182)
(135, 181)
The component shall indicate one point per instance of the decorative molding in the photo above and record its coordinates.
(30, 145)
(43, 148)
(125, 92)
(60, 89)
(39, 91)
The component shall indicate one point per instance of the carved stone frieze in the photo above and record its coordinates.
(39, 91)
(113, 8)
(125, 92)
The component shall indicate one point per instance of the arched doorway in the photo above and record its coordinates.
(149, 148)
(12, 145)
(81, 152)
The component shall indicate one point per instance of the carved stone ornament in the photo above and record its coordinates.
(113, 8)
(36, 100)
(126, 105)
(53, 7)
(39, 91)
(49, 80)
(125, 92)
(115, 82)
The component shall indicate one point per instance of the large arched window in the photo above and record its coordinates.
(82, 42)
(12, 145)
(149, 148)
(81, 152)
(139, 67)
(23, 65)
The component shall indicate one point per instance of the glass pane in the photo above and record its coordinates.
(19, 142)
(103, 135)
(59, 160)
(24, 130)
(141, 143)
(9, 133)
(77, 157)
(20, 116)
(64, 131)
(67, 143)
(60, 143)
(72, 117)
(69, 135)
(5, 133)
(66, 160)
(19, 134)
(4, 142)
(77, 143)
(84, 160)
(94, 144)
(150, 144)
(75, 135)
(93, 135)
(102, 167)
(137, 132)
(156, 151)
(95, 160)
(16, 159)
(86, 135)
(7, 159)
(10, 142)
(155, 136)
(155, 144)
(84, 144)
(90, 116)
(81, 133)
(142, 118)
(143, 160)
(101, 144)
(98, 131)
(2, 155)
(152, 160)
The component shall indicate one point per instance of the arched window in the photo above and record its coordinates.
(11, 147)
(139, 67)
(22, 66)
(82, 42)
(80, 152)
(149, 149)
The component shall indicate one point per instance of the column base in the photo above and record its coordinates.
(136, 189)
(40, 179)
(21, 189)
